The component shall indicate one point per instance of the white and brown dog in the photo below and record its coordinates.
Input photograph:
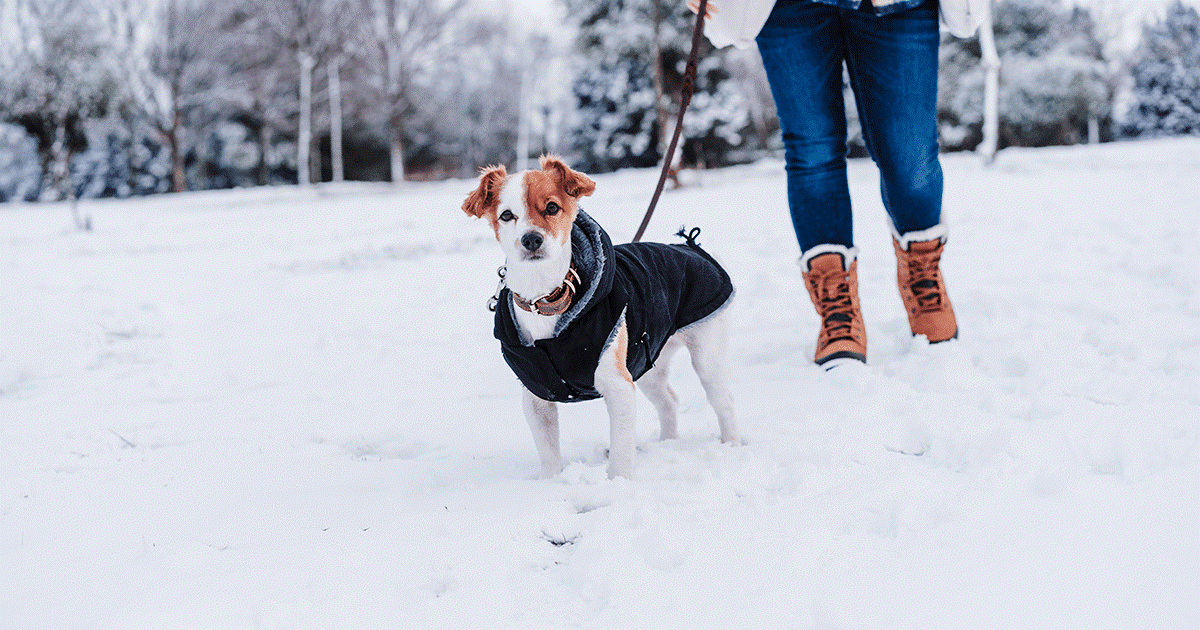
(580, 319)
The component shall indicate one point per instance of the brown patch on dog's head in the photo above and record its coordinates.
(543, 202)
(552, 196)
(484, 200)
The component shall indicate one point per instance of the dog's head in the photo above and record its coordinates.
(531, 212)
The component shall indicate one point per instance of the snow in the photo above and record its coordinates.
(283, 408)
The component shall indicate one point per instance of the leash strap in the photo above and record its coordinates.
(689, 86)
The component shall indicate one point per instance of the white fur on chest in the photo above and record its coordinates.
(533, 326)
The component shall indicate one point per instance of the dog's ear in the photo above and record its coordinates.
(573, 183)
(491, 180)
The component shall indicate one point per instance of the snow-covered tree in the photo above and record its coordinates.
(617, 114)
(120, 97)
(487, 70)
(1166, 75)
(61, 75)
(168, 78)
(1054, 83)
(260, 92)
(19, 174)
(314, 32)
(404, 39)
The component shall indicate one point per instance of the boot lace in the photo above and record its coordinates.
(925, 280)
(835, 304)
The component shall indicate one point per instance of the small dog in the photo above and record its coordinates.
(580, 319)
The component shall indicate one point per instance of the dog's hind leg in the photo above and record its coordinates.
(706, 342)
(543, 421)
(654, 383)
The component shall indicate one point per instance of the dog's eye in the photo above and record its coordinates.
(552, 209)
(507, 215)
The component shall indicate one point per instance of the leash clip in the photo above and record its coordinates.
(494, 301)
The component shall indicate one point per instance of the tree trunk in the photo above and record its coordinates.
(304, 142)
(46, 161)
(660, 107)
(178, 183)
(991, 90)
(261, 171)
(523, 117)
(666, 125)
(127, 117)
(335, 119)
(60, 164)
(396, 153)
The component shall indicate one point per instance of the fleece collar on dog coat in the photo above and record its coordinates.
(657, 289)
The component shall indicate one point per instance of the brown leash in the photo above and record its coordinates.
(689, 86)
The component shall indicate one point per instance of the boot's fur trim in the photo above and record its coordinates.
(849, 254)
(939, 232)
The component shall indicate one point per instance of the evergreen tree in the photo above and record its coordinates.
(617, 113)
(1166, 76)
(617, 126)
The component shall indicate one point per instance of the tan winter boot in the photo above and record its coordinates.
(924, 290)
(833, 287)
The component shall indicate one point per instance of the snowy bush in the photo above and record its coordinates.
(19, 175)
(1047, 100)
(1166, 75)
(1053, 78)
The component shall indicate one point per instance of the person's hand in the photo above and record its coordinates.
(710, 9)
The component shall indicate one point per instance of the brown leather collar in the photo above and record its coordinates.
(555, 302)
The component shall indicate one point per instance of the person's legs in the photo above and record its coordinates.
(802, 46)
(802, 50)
(893, 65)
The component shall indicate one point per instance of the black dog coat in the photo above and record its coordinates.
(656, 289)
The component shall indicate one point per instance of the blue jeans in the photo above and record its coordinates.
(892, 61)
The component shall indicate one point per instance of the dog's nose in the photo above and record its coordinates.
(532, 241)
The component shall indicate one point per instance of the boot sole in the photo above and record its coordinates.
(844, 354)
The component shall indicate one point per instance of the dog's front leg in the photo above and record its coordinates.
(543, 421)
(615, 384)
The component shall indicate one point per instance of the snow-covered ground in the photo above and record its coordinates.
(279, 408)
